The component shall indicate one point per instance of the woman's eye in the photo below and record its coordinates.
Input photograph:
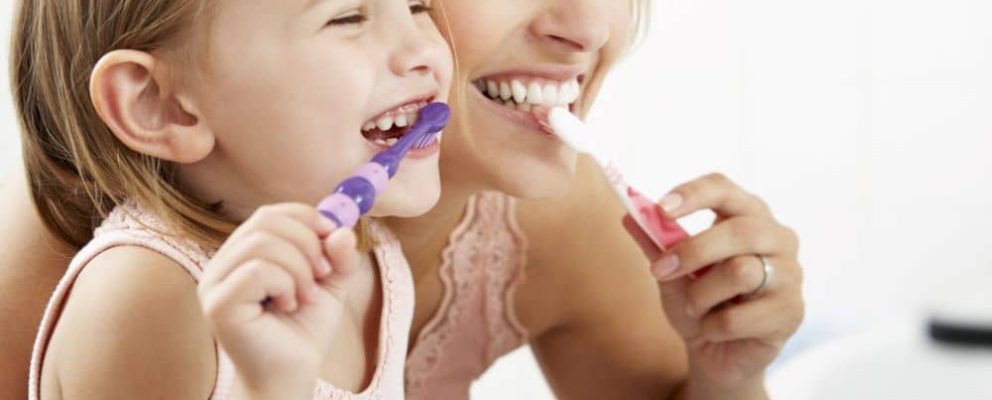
(353, 19)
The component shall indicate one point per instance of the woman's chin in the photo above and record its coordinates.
(537, 176)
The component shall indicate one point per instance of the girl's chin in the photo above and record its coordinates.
(406, 205)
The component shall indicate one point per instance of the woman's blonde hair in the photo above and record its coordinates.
(641, 13)
(77, 169)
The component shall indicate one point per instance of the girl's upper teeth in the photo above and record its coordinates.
(547, 93)
(384, 123)
(400, 118)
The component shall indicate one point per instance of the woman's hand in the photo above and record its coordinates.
(733, 330)
(273, 296)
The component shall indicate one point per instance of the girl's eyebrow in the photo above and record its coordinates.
(312, 3)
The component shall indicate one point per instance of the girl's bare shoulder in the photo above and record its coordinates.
(131, 327)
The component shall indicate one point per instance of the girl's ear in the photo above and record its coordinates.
(130, 91)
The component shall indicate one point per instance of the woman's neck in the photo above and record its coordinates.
(425, 237)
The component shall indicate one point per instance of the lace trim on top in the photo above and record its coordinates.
(480, 271)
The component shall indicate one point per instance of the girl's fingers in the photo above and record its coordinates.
(341, 249)
(267, 246)
(238, 299)
(305, 214)
(303, 238)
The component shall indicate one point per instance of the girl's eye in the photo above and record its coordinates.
(420, 7)
(353, 19)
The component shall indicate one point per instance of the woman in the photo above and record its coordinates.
(557, 270)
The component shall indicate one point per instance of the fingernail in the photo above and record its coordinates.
(666, 266)
(671, 203)
(326, 224)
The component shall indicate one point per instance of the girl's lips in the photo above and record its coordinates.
(414, 153)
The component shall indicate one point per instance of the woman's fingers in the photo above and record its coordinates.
(772, 319)
(730, 238)
(713, 192)
(735, 277)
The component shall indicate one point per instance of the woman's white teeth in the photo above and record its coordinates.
(519, 92)
(493, 89)
(368, 126)
(505, 92)
(550, 94)
(535, 94)
(515, 93)
(401, 121)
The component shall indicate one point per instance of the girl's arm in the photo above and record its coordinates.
(33, 262)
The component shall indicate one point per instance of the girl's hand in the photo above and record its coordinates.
(273, 296)
(732, 330)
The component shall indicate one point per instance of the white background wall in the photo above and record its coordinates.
(866, 124)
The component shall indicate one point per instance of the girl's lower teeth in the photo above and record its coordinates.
(386, 142)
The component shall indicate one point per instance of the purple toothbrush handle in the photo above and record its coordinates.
(356, 195)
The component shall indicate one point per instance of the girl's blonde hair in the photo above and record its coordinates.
(77, 169)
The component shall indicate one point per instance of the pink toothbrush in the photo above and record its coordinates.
(663, 231)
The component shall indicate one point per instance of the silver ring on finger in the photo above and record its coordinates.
(766, 280)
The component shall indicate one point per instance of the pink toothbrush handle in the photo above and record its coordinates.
(665, 231)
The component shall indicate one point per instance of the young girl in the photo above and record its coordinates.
(206, 130)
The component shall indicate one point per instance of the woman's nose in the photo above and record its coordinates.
(575, 25)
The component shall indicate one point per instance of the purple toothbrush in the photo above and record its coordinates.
(355, 196)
